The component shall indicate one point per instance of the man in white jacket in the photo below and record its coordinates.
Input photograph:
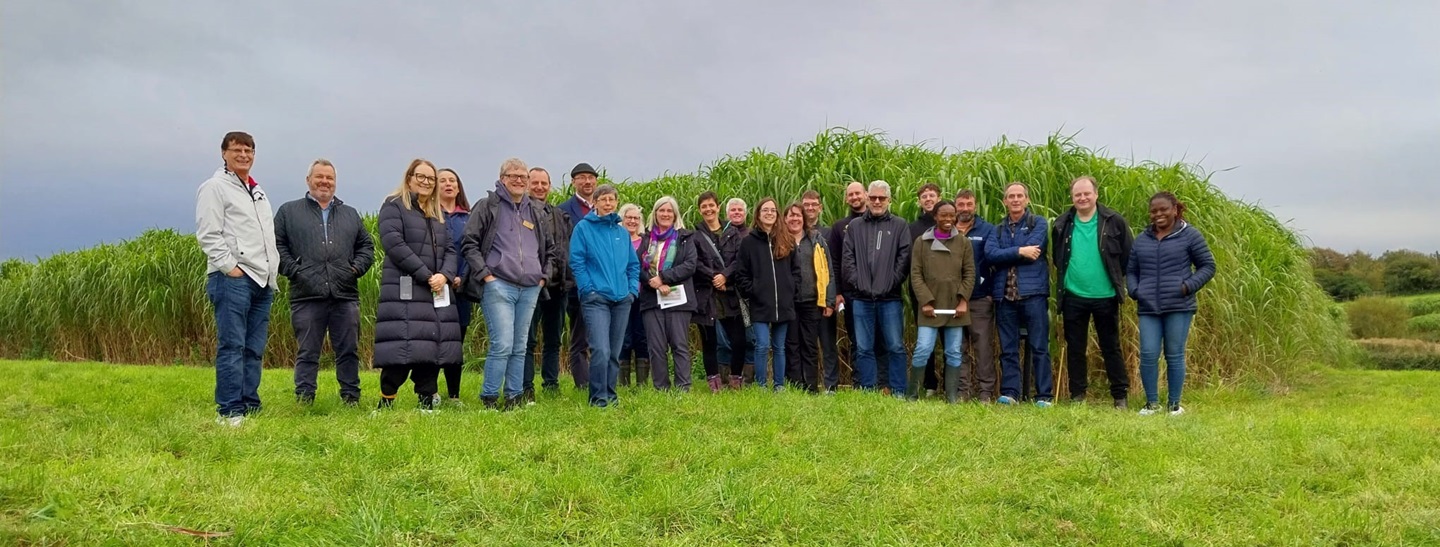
(236, 229)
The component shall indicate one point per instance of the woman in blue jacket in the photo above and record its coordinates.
(607, 280)
(1169, 263)
(456, 208)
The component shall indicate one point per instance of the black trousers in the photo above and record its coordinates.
(312, 319)
(709, 342)
(579, 344)
(802, 346)
(548, 320)
(735, 333)
(829, 350)
(424, 377)
(1076, 314)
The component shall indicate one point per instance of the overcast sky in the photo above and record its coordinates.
(111, 112)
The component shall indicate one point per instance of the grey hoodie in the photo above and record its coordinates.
(236, 227)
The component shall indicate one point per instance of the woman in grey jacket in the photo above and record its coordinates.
(413, 337)
(1169, 263)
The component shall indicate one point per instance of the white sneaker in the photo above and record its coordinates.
(1150, 409)
(435, 400)
(1177, 410)
(230, 421)
(427, 411)
(929, 393)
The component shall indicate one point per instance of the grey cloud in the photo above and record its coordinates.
(105, 100)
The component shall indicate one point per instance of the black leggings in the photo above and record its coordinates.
(452, 380)
(735, 333)
(392, 377)
(708, 343)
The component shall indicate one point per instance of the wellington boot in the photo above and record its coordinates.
(914, 383)
(624, 379)
(952, 385)
(642, 371)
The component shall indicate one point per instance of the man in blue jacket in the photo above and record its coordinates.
(982, 306)
(1022, 291)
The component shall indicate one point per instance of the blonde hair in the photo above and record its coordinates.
(674, 206)
(627, 207)
(430, 207)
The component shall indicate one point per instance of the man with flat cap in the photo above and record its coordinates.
(583, 179)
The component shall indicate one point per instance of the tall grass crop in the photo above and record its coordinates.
(143, 300)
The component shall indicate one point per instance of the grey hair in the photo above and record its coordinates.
(319, 161)
(882, 185)
(604, 190)
(666, 200)
(627, 207)
(733, 201)
(511, 163)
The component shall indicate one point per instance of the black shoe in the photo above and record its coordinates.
(514, 403)
(352, 400)
(1122, 404)
(427, 402)
(306, 399)
(385, 404)
(1078, 399)
(490, 403)
(528, 397)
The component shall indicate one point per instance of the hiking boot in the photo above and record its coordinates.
(490, 403)
(513, 403)
(1150, 408)
(747, 373)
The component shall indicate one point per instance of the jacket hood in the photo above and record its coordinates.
(594, 216)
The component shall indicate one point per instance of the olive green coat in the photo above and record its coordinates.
(942, 273)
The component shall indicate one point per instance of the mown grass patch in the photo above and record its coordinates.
(103, 454)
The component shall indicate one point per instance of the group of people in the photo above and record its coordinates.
(769, 291)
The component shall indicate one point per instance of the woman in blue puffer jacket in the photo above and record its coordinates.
(1169, 263)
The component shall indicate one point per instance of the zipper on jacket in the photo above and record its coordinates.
(261, 220)
(774, 280)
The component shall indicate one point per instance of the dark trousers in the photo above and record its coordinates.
(709, 349)
(424, 377)
(549, 320)
(1031, 313)
(312, 319)
(579, 342)
(802, 346)
(882, 354)
(1076, 313)
(829, 350)
(452, 372)
(667, 335)
(735, 332)
(980, 335)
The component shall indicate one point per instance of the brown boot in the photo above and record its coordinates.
(748, 373)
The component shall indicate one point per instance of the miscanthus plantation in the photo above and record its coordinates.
(142, 300)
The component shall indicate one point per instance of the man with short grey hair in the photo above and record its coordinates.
(876, 254)
(324, 250)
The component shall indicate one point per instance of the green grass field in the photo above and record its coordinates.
(99, 454)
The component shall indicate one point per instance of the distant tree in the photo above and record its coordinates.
(1327, 259)
(1342, 286)
(1411, 274)
(1369, 270)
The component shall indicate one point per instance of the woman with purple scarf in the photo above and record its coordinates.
(667, 295)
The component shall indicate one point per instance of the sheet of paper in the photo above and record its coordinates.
(945, 312)
(677, 297)
(442, 298)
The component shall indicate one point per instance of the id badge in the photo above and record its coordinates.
(407, 288)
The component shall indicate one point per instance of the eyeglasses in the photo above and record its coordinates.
(423, 178)
(512, 176)
(241, 151)
(879, 199)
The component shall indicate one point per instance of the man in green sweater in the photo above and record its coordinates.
(1092, 246)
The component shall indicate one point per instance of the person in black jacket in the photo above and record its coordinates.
(708, 267)
(324, 249)
(874, 262)
(413, 337)
(1092, 245)
(814, 299)
(855, 197)
(766, 275)
(734, 317)
(667, 263)
(549, 317)
(1168, 265)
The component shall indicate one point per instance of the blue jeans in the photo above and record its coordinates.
(1032, 313)
(888, 314)
(925, 343)
(242, 321)
(508, 309)
(605, 323)
(1172, 329)
(770, 336)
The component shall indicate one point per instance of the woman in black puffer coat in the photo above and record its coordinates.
(413, 338)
